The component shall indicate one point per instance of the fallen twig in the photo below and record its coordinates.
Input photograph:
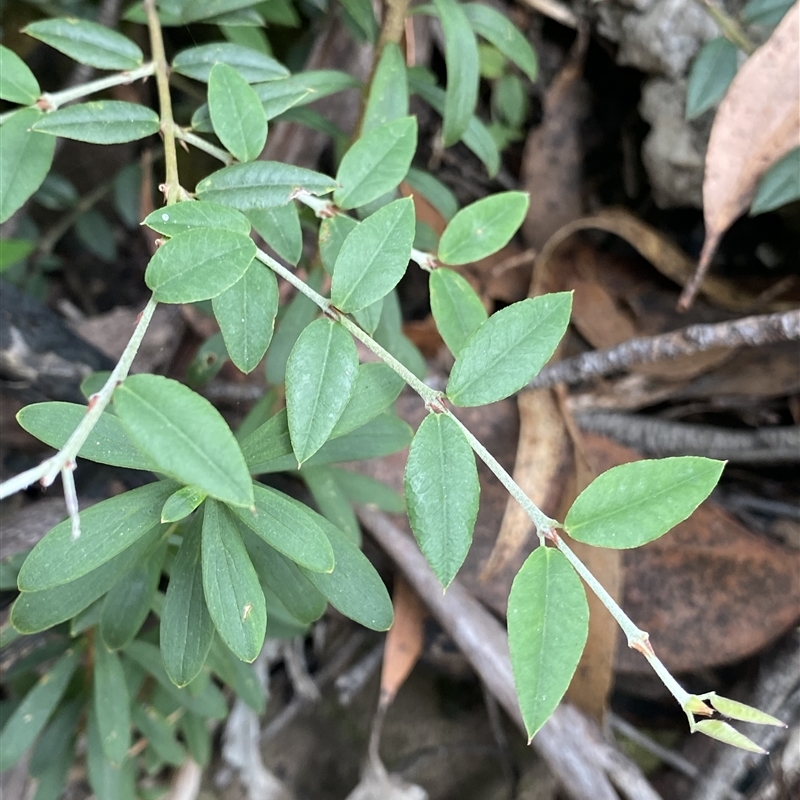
(748, 331)
(573, 747)
(658, 437)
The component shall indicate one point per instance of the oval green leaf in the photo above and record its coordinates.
(111, 703)
(180, 504)
(717, 729)
(185, 436)
(246, 315)
(388, 90)
(320, 376)
(261, 184)
(25, 159)
(188, 216)
(456, 308)
(31, 715)
(198, 265)
(186, 626)
(635, 503)
(54, 422)
(376, 163)
(463, 68)
(107, 529)
(290, 527)
(159, 734)
(17, 82)
(354, 587)
(233, 594)
(252, 65)
(548, 622)
(442, 493)
(128, 602)
(87, 42)
(780, 186)
(712, 71)
(377, 387)
(280, 229)
(236, 113)
(434, 191)
(101, 122)
(332, 233)
(498, 29)
(331, 501)
(374, 257)
(482, 228)
(508, 350)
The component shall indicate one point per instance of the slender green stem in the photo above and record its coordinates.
(172, 187)
(729, 27)
(201, 144)
(50, 102)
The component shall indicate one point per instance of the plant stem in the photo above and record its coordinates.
(201, 144)
(50, 102)
(729, 27)
(172, 187)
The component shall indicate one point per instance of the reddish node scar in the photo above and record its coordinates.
(436, 405)
(642, 644)
(331, 312)
(92, 402)
(550, 535)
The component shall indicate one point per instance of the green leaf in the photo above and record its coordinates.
(434, 191)
(765, 12)
(476, 137)
(482, 228)
(376, 163)
(498, 29)
(246, 315)
(332, 233)
(12, 251)
(364, 17)
(456, 308)
(241, 677)
(269, 441)
(207, 702)
(261, 184)
(188, 216)
(127, 604)
(365, 491)
(198, 265)
(632, 504)
(253, 66)
(181, 503)
(741, 711)
(290, 527)
(296, 316)
(369, 317)
(548, 622)
(185, 436)
(54, 422)
(354, 587)
(31, 715)
(54, 752)
(280, 229)
(717, 729)
(108, 781)
(95, 233)
(232, 591)
(159, 734)
(17, 82)
(461, 58)
(37, 611)
(374, 257)
(331, 501)
(442, 492)
(286, 579)
(781, 184)
(87, 42)
(388, 90)
(508, 350)
(101, 122)
(197, 738)
(25, 159)
(712, 71)
(111, 703)
(320, 376)
(186, 626)
(236, 113)
(377, 387)
(107, 528)
(281, 95)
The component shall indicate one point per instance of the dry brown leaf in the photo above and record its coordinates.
(404, 640)
(552, 163)
(757, 123)
(665, 256)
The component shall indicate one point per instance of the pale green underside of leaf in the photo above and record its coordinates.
(197, 62)
(17, 83)
(101, 122)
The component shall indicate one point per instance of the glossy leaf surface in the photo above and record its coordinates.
(185, 435)
(635, 503)
(508, 350)
(548, 622)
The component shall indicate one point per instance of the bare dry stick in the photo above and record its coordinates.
(748, 331)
